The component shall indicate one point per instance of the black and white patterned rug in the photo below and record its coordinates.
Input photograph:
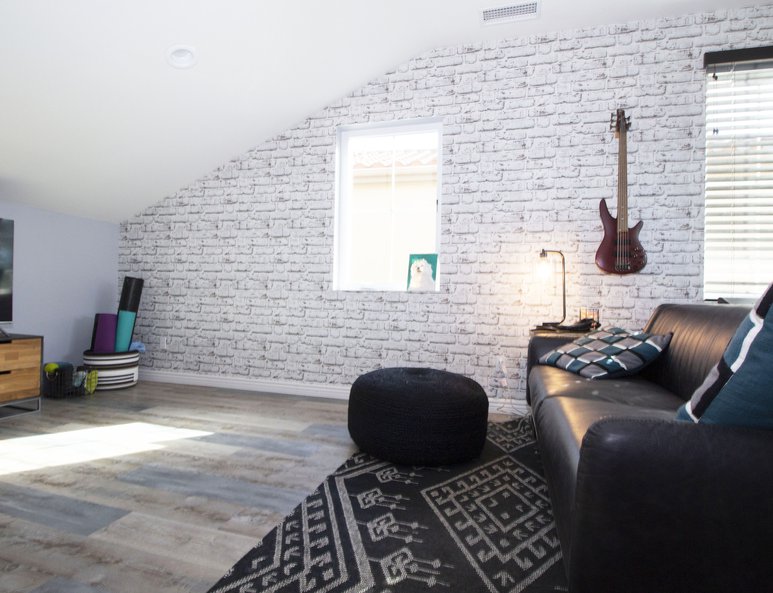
(376, 527)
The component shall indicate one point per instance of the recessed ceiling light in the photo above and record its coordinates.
(181, 56)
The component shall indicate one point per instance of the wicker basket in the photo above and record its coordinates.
(59, 383)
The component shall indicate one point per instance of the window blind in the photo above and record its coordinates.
(738, 258)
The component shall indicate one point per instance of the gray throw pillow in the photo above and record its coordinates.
(608, 353)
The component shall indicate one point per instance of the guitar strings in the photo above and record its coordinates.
(622, 252)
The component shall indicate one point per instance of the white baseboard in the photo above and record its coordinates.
(330, 391)
(248, 384)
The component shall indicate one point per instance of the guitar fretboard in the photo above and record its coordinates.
(623, 251)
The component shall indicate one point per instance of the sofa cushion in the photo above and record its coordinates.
(546, 382)
(701, 331)
(739, 389)
(607, 353)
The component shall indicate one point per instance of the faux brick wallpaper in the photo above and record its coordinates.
(238, 266)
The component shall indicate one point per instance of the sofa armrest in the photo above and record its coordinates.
(672, 507)
(538, 346)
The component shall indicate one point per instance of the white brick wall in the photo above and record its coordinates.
(238, 266)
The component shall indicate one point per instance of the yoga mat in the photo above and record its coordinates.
(103, 337)
(130, 294)
(124, 329)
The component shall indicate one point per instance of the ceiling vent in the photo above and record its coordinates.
(510, 13)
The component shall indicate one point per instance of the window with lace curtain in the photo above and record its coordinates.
(738, 251)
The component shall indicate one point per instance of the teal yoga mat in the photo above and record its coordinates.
(124, 330)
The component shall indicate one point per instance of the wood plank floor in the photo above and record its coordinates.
(158, 488)
(155, 489)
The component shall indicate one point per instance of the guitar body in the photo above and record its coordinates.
(620, 251)
(623, 255)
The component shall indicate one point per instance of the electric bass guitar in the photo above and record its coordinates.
(620, 251)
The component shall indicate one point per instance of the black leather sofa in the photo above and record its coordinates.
(642, 502)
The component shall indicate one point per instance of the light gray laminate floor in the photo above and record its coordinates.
(155, 489)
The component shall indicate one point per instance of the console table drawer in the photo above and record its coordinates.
(19, 384)
(20, 354)
(20, 361)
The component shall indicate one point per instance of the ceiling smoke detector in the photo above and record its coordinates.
(510, 13)
(181, 56)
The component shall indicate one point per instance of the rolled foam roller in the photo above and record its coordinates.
(130, 294)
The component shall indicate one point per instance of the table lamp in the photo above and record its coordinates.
(555, 325)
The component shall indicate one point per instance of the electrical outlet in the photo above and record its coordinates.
(162, 343)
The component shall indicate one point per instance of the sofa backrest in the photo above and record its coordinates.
(701, 333)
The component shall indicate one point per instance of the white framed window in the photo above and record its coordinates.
(387, 202)
(738, 240)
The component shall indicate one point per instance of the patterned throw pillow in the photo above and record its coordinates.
(608, 353)
(739, 389)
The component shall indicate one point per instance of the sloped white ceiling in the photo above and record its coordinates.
(95, 123)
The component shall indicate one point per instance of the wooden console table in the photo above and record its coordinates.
(20, 367)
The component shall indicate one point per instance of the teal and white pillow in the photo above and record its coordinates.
(608, 353)
(739, 389)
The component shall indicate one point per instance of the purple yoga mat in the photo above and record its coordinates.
(103, 338)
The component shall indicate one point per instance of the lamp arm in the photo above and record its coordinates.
(563, 278)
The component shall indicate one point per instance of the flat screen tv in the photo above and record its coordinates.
(6, 270)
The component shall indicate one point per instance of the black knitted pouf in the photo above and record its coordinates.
(417, 416)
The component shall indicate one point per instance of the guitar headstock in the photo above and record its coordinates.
(618, 121)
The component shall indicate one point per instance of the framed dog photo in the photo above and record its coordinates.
(422, 272)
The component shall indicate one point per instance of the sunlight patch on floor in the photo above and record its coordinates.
(87, 444)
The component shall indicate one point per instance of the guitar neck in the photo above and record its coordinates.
(622, 182)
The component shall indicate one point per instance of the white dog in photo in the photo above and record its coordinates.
(421, 276)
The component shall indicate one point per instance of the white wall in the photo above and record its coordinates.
(64, 272)
(238, 266)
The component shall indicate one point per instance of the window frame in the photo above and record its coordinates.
(717, 188)
(341, 238)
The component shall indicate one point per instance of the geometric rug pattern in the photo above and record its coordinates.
(377, 527)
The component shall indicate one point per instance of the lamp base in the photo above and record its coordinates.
(582, 326)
